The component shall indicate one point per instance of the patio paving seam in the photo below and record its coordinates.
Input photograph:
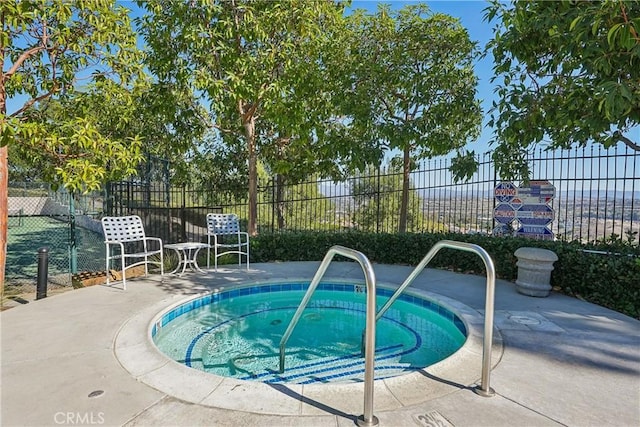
(149, 407)
(530, 409)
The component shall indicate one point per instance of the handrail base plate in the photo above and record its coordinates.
(363, 423)
(484, 393)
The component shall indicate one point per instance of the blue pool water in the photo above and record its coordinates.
(237, 333)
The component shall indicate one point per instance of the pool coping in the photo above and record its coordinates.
(138, 355)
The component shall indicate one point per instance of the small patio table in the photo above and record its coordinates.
(187, 255)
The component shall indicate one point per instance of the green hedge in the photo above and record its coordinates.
(611, 280)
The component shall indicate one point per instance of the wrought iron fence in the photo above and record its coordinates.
(597, 196)
(173, 213)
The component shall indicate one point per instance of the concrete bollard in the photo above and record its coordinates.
(534, 271)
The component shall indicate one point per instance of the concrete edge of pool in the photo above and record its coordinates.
(135, 351)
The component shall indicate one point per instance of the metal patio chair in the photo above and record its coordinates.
(225, 237)
(127, 233)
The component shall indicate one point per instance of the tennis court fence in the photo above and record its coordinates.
(69, 229)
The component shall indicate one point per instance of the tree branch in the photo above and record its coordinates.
(236, 21)
(390, 110)
(626, 21)
(223, 130)
(28, 53)
(629, 143)
(25, 55)
(30, 102)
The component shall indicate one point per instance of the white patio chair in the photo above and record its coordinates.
(223, 232)
(127, 233)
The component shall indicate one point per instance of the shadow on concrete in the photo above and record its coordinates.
(444, 381)
(328, 409)
(614, 353)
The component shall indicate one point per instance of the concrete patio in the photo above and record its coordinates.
(557, 361)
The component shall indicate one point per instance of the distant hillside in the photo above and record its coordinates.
(342, 189)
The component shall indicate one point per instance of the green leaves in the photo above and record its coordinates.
(581, 79)
(259, 62)
(412, 79)
(258, 66)
(74, 153)
(463, 166)
(61, 130)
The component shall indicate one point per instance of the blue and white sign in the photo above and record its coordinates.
(502, 230)
(516, 203)
(540, 215)
(537, 192)
(539, 233)
(505, 191)
(528, 207)
(504, 213)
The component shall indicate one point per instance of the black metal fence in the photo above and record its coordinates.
(597, 196)
(175, 214)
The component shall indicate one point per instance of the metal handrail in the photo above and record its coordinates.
(484, 390)
(367, 419)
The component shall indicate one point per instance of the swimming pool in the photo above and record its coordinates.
(236, 333)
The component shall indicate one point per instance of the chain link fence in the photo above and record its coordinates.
(68, 227)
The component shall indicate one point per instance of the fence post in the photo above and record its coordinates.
(73, 247)
(378, 200)
(43, 273)
(273, 204)
(183, 214)
(108, 203)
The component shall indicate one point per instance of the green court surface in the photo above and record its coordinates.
(26, 235)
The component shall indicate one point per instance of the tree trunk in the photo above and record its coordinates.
(4, 181)
(250, 135)
(4, 209)
(404, 207)
(280, 201)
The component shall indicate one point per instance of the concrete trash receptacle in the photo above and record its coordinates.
(534, 271)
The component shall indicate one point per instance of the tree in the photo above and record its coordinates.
(410, 85)
(377, 197)
(81, 139)
(301, 205)
(297, 137)
(567, 71)
(219, 170)
(240, 55)
(171, 123)
(47, 47)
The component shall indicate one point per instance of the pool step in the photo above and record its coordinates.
(348, 368)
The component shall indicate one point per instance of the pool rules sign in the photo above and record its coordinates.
(527, 207)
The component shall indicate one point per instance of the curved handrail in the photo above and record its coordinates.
(485, 389)
(368, 419)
